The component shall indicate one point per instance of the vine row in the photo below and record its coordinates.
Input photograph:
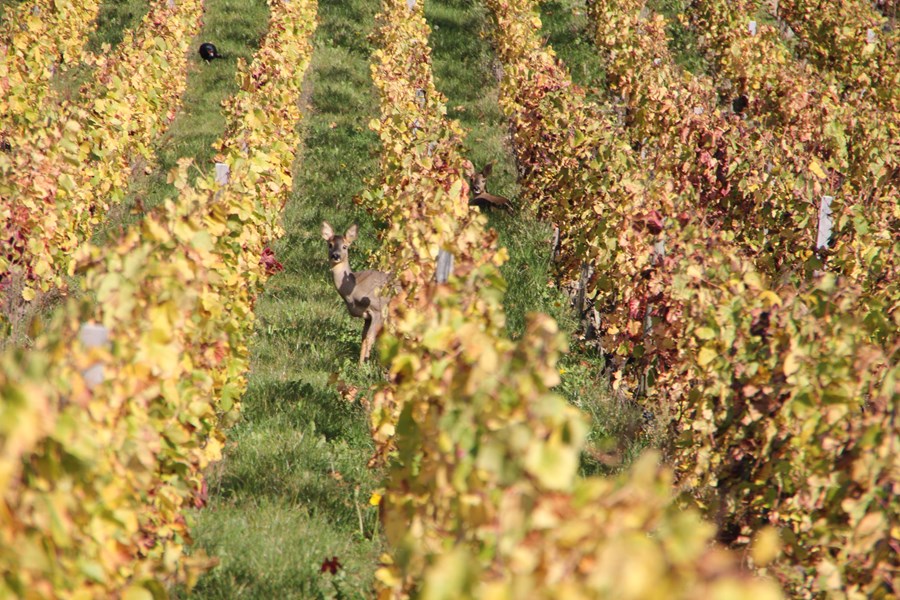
(482, 496)
(111, 417)
(768, 384)
(60, 180)
(851, 39)
(36, 39)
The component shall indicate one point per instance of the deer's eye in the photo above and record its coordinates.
(344, 246)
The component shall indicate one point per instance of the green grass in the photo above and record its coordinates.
(114, 18)
(567, 28)
(236, 28)
(293, 489)
(684, 40)
(466, 72)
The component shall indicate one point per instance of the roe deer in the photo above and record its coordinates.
(480, 197)
(362, 291)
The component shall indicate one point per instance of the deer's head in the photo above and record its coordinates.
(479, 180)
(338, 244)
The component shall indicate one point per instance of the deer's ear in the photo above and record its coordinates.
(351, 233)
(487, 169)
(468, 168)
(327, 231)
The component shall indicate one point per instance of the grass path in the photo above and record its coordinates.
(294, 487)
(464, 71)
(114, 18)
(569, 32)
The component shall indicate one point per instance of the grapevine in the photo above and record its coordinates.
(853, 40)
(37, 38)
(739, 354)
(97, 487)
(481, 454)
(60, 180)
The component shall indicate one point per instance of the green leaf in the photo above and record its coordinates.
(704, 333)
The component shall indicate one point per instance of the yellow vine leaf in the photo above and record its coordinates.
(770, 297)
(766, 547)
(791, 364)
(706, 356)
(136, 592)
(816, 169)
(704, 333)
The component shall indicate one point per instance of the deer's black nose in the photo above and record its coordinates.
(335, 256)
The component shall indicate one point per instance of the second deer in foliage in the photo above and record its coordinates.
(364, 291)
(480, 196)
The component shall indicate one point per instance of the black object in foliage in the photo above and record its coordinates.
(208, 52)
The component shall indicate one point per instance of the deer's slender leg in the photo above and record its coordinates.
(373, 330)
(364, 348)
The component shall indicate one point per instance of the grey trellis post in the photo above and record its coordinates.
(222, 173)
(825, 222)
(92, 335)
(587, 271)
(444, 266)
(554, 244)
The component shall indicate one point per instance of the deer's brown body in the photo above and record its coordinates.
(362, 291)
(480, 196)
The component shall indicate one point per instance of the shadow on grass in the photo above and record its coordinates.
(113, 19)
(307, 405)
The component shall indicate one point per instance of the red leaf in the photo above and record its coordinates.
(268, 261)
(634, 309)
(331, 565)
(201, 496)
(654, 222)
